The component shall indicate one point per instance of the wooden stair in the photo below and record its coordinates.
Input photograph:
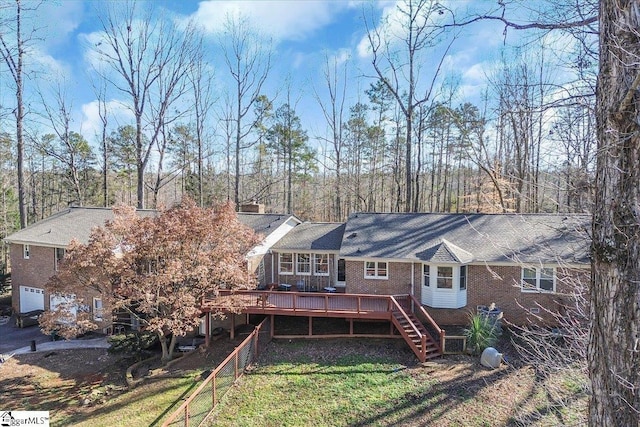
(413, 332)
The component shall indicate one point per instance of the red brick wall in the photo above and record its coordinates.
(485, 285)
(398, 282)
(34, 272)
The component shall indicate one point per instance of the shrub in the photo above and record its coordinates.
(135, 343)
(481, 333)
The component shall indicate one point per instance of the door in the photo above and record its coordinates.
(31, 299)
(341, 273)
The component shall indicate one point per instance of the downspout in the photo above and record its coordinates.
(273, 266)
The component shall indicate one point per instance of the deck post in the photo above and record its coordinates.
(207, 332)
(273, 325)
(351, 326)
(310, 326)
(232, 333)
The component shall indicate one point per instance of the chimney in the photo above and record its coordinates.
(253, 207)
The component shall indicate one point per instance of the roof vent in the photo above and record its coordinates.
(352, 235)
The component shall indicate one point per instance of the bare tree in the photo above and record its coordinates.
(333, 109)
(614, 344)
(202, 92)
(13, 47)
(399, 69)
(147, 60)
(66, 146)
(248, 59)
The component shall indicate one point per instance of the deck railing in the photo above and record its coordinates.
(204, 399)
(430, 322)
(420, 351)
(356, 305)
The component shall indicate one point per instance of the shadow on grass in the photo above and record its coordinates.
(175, 404)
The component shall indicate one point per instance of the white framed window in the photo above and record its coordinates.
(286, 263)
(426, 276)
(303, 264)
(68, 304)
(26, 251)
(463, 277)
(58, 256)
(97, 309)
(321, 264)
(445, 277)
(538, 279)
(376, 270)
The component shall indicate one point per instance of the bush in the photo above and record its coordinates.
(482, 332)
(135, 343)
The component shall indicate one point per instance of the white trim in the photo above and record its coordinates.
(55, 257)
(376, 267)
(97, 309)
(538, 277)
(298, 263)
(315, 264)
(293, 262)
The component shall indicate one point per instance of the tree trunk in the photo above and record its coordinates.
(614, 349)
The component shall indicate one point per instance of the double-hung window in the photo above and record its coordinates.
(445, 278)
(426, 275)
(97, 309)
(321, 264)
(286, 263)
(375, 270)
(26, 251)
(303, 264)
(59, 256)
(463, 277)
(538, 280)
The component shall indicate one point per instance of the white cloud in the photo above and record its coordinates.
(281, 20)
(118, 113)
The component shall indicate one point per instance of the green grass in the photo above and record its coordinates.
(146, 405)
(324, 384)
(348, 390)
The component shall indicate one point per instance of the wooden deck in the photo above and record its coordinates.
(354, 306)
(399, 310)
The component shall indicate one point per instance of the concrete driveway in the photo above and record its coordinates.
(12, 337)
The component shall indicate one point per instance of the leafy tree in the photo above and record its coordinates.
(290, 143)
(157, 268)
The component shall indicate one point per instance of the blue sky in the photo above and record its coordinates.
(303, 33)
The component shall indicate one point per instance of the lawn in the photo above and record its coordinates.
(362, 383)
(331, 382)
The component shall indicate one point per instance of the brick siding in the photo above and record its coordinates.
(485, 285)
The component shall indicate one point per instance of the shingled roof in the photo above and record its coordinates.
(264, 224)
(465, 238)
(59, 229)
(312, 237)
(77, 222)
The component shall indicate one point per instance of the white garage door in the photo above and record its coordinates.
(31, 299)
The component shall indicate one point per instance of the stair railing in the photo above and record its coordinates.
(432, 323)
(420, 352)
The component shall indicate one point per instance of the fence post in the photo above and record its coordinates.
(236, 363)
(213, 390)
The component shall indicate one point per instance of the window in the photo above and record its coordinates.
(97, 309)
(26, 251)
(67, 304)
(445, 277)
(425, 275)
(463, 277)
(286, 263)
(303, 264)
(538, 279)
(375, 270)
(58, 256)
(321, 264)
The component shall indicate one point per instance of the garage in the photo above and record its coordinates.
(31, 299)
